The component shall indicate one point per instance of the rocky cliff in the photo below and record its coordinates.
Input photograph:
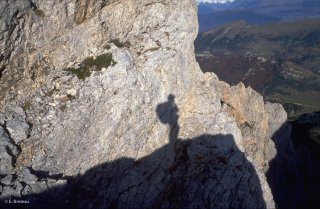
(104, 106)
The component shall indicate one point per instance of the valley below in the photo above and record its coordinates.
(278, 60)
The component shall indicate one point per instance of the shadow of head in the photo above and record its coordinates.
(168, 112)
(207, 171)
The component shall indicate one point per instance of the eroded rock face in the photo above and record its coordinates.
(148, 131)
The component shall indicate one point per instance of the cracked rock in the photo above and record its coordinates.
(14, 190)
(28, 177)
(18, 129)
(5, 161)
(8, 179)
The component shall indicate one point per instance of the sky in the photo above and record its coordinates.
(214, 1)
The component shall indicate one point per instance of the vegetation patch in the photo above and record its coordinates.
(247, 125)
(90, 64)
(154, 49)
(26, 105)
(63, 107)
(120, 44)
(70, 97)
(107, 47)
(49, 93)
(81, 73)
(39, 13)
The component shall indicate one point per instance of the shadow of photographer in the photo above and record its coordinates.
(207, 171)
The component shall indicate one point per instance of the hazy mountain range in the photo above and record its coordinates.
(256, 11)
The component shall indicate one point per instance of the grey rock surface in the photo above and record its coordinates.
(28, 177)
(18, 129)
(8, 179)
(116, 138)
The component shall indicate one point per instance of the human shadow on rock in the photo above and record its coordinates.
(207, 171)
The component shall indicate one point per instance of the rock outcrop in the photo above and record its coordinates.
(147, 129)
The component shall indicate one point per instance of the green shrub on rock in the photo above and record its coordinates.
(90, 64)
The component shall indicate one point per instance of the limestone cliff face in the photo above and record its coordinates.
(149, 130)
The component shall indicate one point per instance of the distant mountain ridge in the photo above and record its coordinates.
(209, 7)
(213, 19)
(256, 11)
(245, 4)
